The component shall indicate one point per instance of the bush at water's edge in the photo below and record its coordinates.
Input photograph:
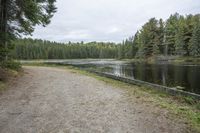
(8, 69)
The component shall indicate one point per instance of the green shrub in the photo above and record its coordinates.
(198, 106)
(10, 64)
(3, 74)
(190, 100)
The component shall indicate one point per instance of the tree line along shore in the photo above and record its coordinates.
(177, 36)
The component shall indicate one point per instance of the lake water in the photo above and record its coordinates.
(186, 77)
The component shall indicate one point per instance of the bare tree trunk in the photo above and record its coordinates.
(6, 30)
(3, 28)
(1, 15)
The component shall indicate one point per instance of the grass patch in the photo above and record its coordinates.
(2, 86)
(11, 65)
(180, 107)
(7, 75)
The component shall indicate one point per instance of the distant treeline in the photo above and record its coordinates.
(178, 35)
(39, 49)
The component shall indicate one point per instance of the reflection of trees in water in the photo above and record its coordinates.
(117, 70)
(165, 74)
(168, 75)
(140, 72)
(164, 78)
(123, 70)
(194, 79)
(132, 71)
(180, 76)
(155, 69)
(164, 71)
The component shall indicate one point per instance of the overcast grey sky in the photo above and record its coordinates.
(108, 20)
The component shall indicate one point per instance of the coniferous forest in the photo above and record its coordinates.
(178, 35)
(39, 49)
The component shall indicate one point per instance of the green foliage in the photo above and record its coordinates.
(198, 106)
(20, 17)
(149, 38)
(39, 49)
(179, 35)
(179, 42)
(195, 41)
(3, 76)
(10, 64)
(170, 33)
(2, 85)
(127, 49)
(190, 100)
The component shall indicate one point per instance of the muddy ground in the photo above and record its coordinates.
(54, 100)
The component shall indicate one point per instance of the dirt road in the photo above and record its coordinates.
(53, 100)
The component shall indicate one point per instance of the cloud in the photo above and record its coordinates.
(113, 30)
(79, 34)
(108, 20)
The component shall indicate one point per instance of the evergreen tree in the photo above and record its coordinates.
(156, 50)
(179, 38)
(160, 37)
(135, 44)
(19, 17)
(140, 46)
(189, 26)
(195, 42)
(150, 37)
(170, 32)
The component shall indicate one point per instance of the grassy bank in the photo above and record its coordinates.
(2, 86)
(7, 75)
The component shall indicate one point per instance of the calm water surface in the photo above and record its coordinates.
(186, 77)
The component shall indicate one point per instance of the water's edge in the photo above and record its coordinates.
(171, 91)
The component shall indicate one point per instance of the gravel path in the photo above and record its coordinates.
(53, 100)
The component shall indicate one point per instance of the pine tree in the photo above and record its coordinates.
(189, 26)
(170, 32)
(150, 37)
(140, 46)
(179, 38)
(195, 42)
(156, 50)
(160, 39)
(135, 44)
(20, 17)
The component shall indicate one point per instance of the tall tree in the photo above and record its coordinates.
(180, 45)
(170, 32)
(160, 36)
(20, 17)
(139, 41)
(150, 38)
(135, 44)
(195, 42)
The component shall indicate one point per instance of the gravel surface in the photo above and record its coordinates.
(55, 100)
